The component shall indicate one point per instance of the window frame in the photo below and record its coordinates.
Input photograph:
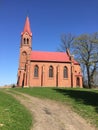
(51, 71)
(27, 40)
(36, 71)
(65, 72)
(24, 40)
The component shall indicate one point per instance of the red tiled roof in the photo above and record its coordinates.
(49, 56)
(76, 63)
(27, 27)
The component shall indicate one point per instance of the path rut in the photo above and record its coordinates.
(52, 115)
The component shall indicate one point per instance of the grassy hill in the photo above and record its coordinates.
(82, 101)
(13, 115)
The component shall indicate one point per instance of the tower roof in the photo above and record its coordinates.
(27, 27)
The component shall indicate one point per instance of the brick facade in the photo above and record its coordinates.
(47, 69)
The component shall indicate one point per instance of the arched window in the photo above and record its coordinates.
(36, 71)
(50, 71)
(27, 41)
(65, 72)
(24, 41)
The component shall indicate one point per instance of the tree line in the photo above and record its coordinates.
(85, 50)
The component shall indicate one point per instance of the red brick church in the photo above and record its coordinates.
(45, 69)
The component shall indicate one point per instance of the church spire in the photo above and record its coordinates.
(27, 27)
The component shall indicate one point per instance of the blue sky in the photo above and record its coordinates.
(49, 19)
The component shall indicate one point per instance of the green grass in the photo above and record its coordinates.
(84, 101)
(13, 115)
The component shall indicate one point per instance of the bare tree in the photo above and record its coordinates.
(86, 52)
(67, 41)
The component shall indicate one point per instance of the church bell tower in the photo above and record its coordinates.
(25, 52)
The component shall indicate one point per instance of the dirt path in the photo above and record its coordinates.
(51, 115)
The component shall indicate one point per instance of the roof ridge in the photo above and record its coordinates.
(48, 51)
